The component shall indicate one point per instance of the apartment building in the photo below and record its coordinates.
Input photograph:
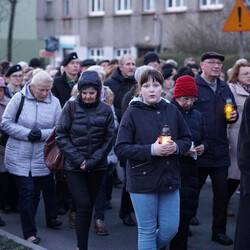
(106, 29)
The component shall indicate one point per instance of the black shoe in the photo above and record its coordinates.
(2, 223)
(194, 221)
(222, 239)
(61, 211)
(35, 241)
(128, 220)
(53, 223)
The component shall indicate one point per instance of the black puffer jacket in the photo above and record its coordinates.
(189, 191)
(89, 136)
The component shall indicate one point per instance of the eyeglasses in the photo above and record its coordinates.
(188, 98)
(17, 76)
(212, 63)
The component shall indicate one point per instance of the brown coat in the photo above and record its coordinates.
(240, 96)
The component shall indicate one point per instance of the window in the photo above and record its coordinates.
(96, 54)
(176, 5)
(48, 9)
(123, 7)
(66, 7)
(96, 7)
(148, 5)
(211, 4)
(121, 51)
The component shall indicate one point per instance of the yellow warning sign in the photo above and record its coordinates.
(239, 18)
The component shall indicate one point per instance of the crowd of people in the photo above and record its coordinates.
(168, 127)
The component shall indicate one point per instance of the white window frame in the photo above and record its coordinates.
(118, 52)
(67, 6)
(175, 7)
(148, 5)
(96, 8)
(123, 10)
(211, 6)
(97, 54)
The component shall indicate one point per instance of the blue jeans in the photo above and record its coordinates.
(152, 209)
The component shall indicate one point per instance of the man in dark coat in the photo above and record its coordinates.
(242, 234)
(63, 84)
(120, 82)
(213, 94)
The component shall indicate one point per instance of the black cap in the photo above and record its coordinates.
(212, 54)
(103, 62)
(150, 57)
(88, 62)
(167, 73)
(13, 69)
(69, 57)
(35, 62)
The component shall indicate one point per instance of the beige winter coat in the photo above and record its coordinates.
(240, 96)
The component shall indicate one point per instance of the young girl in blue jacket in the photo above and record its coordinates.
(153, 175)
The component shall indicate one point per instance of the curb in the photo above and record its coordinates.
(21, 241)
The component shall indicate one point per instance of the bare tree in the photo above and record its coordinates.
(11, 27)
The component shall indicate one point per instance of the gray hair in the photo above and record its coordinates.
(126, 57)
(41, 77)
(140, 70)
(98, 69)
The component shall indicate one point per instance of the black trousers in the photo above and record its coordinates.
(84, 188)
(179, 242)
(242, 232)
(218, 176)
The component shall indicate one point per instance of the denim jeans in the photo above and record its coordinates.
(152, 209)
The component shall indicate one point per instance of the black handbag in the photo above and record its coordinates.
(4, 136)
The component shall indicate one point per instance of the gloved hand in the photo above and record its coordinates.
(35, 135)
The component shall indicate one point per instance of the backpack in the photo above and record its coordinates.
(53, 157)
(3, 135)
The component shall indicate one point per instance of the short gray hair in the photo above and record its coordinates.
(41, 77)
(126, 57)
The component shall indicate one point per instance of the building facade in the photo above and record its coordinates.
(106, 29)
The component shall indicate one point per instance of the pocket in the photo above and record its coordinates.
(143, 168)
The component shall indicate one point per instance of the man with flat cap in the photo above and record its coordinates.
(213, 95)
(63, 84)
(85, 64)
(15, 77)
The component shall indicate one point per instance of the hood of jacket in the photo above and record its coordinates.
(90, 78)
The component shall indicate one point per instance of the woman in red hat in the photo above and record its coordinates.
(185, 94)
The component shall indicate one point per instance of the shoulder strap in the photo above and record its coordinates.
(20, 108)
(72, 110)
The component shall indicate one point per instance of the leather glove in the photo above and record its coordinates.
(35, 135)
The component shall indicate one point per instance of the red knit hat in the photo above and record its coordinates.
(185, 86)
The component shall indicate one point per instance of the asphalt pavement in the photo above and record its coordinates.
(123, 237)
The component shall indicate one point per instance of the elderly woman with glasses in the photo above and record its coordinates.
(185, 94)
(239, 83)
